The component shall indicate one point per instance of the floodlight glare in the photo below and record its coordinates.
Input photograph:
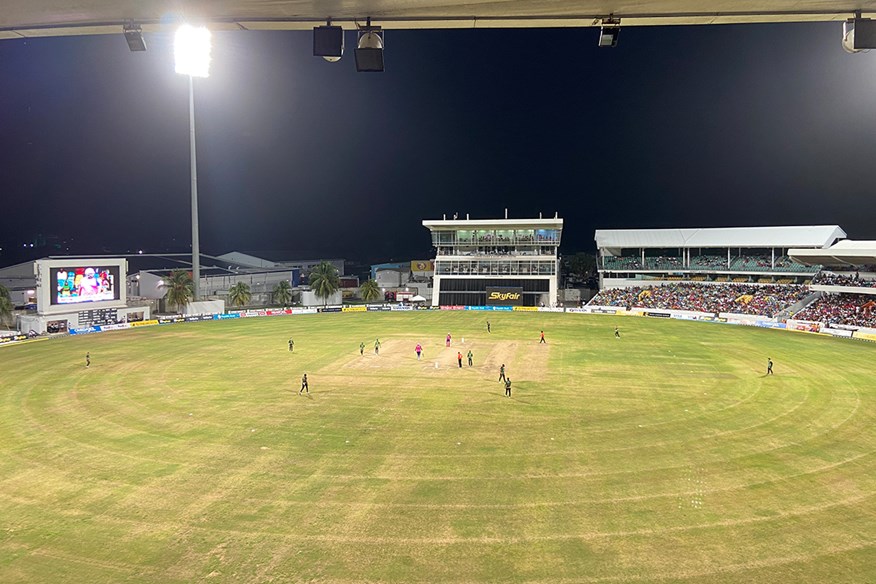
(191, 50)
(134, 38)
(369, 51)
(328, 42)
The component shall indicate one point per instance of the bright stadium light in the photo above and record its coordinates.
(191, 50)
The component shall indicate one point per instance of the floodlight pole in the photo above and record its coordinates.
(196, 251)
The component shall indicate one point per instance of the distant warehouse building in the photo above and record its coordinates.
(483, 262)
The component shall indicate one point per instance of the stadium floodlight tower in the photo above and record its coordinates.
(191, 51)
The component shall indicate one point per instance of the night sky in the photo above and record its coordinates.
(676, 127)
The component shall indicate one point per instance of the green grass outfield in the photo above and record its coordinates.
(184, 453)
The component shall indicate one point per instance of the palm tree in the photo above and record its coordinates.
(239, 294)
(324, 281)
(6, 306)
(283, 293)
(369, 290)
(180, 288)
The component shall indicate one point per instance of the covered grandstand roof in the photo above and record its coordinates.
(812, 236)
(31, 18)
(843, 253)
(553, 222)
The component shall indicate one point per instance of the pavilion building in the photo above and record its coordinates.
(482, 262)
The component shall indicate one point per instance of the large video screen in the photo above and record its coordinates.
(92, 283)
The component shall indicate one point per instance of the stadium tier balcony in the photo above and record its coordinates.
(489, 267)
(496, 237)
(622, 263)
(707, 263)
(841, 280)
(764, 264)
(518, 251)
(664, 263)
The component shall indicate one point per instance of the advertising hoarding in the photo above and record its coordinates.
(504, 296)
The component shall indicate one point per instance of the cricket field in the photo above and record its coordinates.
(184, 453)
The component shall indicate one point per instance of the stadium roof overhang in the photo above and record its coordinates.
(842, 254)
(811, 236)
(454, 224)
(34, 18)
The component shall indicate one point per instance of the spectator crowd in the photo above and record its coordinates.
(735, 298)
(847, 309)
